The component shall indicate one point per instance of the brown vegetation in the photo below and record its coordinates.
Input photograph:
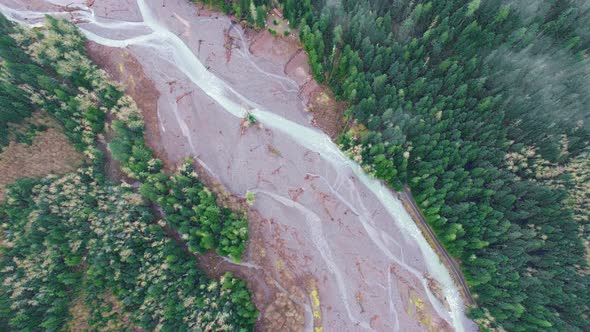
(328, 114)
(50, 153)
(81, 313)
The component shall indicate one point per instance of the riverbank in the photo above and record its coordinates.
(410, 204)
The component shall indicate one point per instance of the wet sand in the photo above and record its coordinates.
(324, 249)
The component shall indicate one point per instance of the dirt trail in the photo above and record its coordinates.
(333, 254)
(410, 204)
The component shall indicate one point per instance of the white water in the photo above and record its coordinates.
(166, 42)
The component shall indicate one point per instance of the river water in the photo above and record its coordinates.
(339, 233)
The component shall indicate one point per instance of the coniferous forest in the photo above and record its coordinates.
(82, 235)
(482, 109)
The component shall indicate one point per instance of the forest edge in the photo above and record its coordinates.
(410, 205)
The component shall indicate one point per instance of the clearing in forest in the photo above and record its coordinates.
(49, 153)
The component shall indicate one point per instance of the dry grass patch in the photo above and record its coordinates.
(50, 153)
(328, 113)
(81, 313)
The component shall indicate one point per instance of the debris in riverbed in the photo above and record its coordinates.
(171, 84)
(179, 98)
(272, 150)
(374, 321)
(276, 170)
(295, 193)
(228, 43)
(436, 289)
(311, 176)
(359, 299)
(248, 121)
